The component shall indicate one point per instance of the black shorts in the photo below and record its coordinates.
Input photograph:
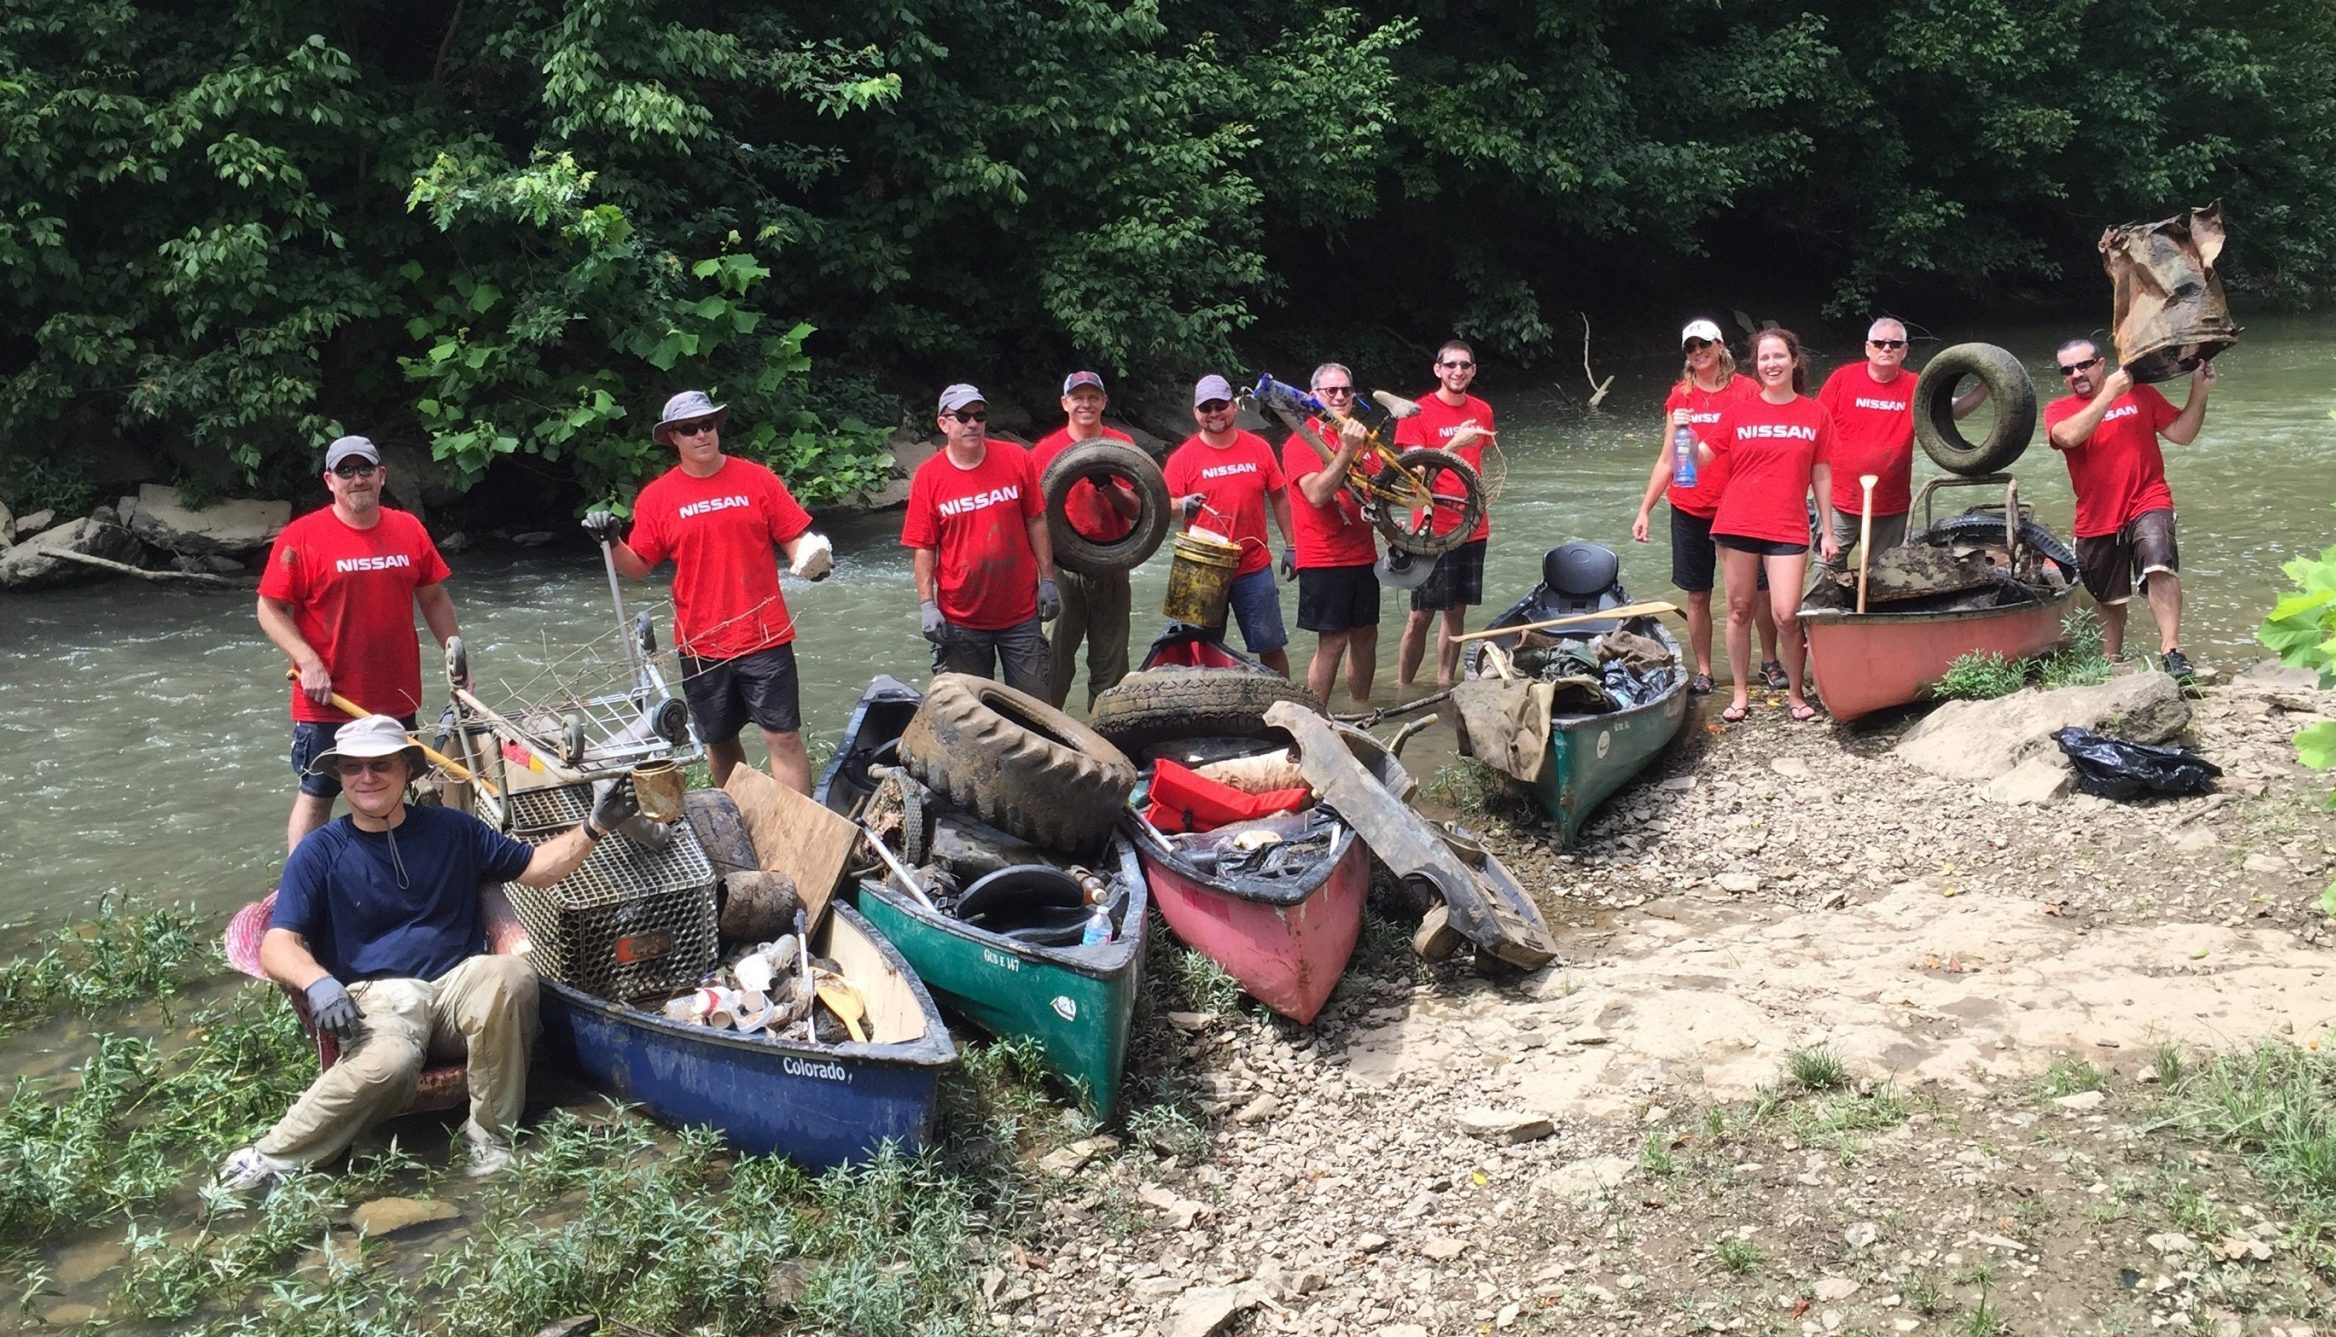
(2111, 565)
(1457, 581)
(1765, 547)
(1337, 598)
(726, 693)
(1693, 559)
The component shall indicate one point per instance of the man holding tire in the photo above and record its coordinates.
(1228, 479)
(1451, 420)
(1872, 403)
(1095, 605)
(2107, 429)
(1338, 591)
(984, 562)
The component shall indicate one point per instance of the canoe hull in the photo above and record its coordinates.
(1077, 1002)
(1590, 757)
(1287, 956)
(819, 1105)
(1874, 661)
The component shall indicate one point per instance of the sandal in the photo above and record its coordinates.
(1735, 714)
(1700, 684)
(1804, 713)
(1772, 673)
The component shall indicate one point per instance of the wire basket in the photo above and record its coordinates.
(631, 921)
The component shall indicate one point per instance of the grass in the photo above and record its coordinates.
(1817, 1069)
(122, 958)
(1736, 1255)
(2078, 661)
(2068, 1076)
(2275, 1104)
(1473, 789)
(1975, 676)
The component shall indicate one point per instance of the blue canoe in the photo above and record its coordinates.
(819, 1105)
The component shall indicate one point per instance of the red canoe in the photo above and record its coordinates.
(1872, 661)
(1285, 942)
(1191, 647)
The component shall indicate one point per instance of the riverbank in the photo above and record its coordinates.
(1834, 1046)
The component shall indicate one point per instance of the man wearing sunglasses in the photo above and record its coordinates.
(718, 517)
(1872, 403)
(2107, 429)
(1226, 480)
(338, 598)
(1336, 557)
(1453, 420)
(984, 561)
(1096, 605)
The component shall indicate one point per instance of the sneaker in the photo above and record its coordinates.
(489, 1156)
(1700, 684)
(1772, 673)
(2177, 664)
(251, 1168)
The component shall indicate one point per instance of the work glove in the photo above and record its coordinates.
(1289, 561)
(1050, 600)
(334, 1011)
(604, 526)
(1190, 504)
(935, 628)
(613, 805)
(814, 558)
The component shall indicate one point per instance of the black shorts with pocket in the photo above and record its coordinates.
(1694, 561)
(1337, 598)
(2113, 565)
(1457, 581)
(1764, 547)
(760, 686)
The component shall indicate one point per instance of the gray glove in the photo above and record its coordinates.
(935, 628)
(334, 1011)
(612, 806)
(1290, 561)
(1190, 504)
(604, 526)
(1050, 601)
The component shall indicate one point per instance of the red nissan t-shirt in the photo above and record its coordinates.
(719, 531)
(1235, 481)
(1433, 426)
(1333, 535)
(1704, 408)
(352, 597)
(1092, 516)
(2120, 472)
(1873, 433)
(978, 520)
(1770, 449)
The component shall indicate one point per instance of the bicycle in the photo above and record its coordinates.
(1426, 502)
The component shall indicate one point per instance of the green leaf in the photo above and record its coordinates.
(2316, 747)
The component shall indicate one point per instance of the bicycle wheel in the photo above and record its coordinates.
(1451, 521)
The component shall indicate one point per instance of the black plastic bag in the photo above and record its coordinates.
(2114, 768)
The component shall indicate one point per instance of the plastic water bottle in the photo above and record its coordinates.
(1098, 930)
(1683, 455)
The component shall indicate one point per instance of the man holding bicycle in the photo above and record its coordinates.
(1338, 592)
(1457, 422)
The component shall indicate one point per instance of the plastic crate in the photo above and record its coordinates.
(631, 921)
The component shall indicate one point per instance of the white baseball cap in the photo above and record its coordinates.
(1702, 329)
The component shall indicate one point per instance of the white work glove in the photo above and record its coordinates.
(814, 558)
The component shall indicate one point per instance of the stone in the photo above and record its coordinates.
(789, 1281)
(1443, 1248)
(1981, 740)
(575, 1325)
(1791, 768)
(1191, 1021)
(1587, 1035)
(73, 1315)
(26, 566)
(454, 543)
(1862, 1234)
(2172, 1243)
(1737, 884)
(212, 565)
(223, 528)
(1181, 1211)
(2081, 1101)
(7, 525)
(1504, 1128)
(1590, 1177)
(1402, 1330)
(1370, 1243)
(388, 1216)
(33, 523)
(1203, 1311)
(1830, 1289)
(1063, 1162)
(533, 538)
(1259, 1110)
(2043, 778)
(2268, 864)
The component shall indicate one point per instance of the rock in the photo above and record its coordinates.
(72, 1315)
(1587, 1035)
(788, 1283)
(2081, 1101)
(2269, 864)
(225, 528)
(1862, 1234)
(211, 565)
(2043, 778)
(575, 1325)
(1791, 768)
(1737, 884)
(454, 543)
(34, 523)
(1504, 1128)
(7, 525)
(1980, 740)
(1443, 1248)
(1181, 1211)
(1191, 1021)
(1587, 1178)
(533, 538)
(1064, 1162)
(1259, 1110)
(1834, 1288)
(1403, 1330)
(26, 566)
(1370, 1243)
(388, 1216)
(1204, 1311)
(2172, 1243)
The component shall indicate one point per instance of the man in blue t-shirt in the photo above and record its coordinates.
(377, 922)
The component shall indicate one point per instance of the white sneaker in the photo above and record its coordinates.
(487, 1157)
(250, 1168)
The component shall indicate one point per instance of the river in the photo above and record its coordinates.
(143, 731)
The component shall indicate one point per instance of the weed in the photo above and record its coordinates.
(1472, 788)
(1654, 1155)
(1927, 1294)
(122, 958)
(1736, 1255)
(1203, 985)
(1715, 1125)
(1818, 1069)
(2068, 1076)
(1980, 677)
(2080, 661)
(2167, 1062)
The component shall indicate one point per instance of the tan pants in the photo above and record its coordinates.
(485, 1008)
(1095, 609)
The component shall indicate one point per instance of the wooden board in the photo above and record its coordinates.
(794, 836)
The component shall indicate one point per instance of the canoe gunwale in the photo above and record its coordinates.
(1151, 843)
(1101, 962)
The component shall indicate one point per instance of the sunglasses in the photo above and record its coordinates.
(355, 469)
(2072, 368)
(698, 428)
(1697, 345)
(1213, 406)
(1885, 344)
(373, 765)
(1334, 389)
(1455, 366)
(977, 415)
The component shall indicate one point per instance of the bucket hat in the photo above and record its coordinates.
(372, 736)
(688, 406)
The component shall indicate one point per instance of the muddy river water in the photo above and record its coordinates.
(143, 731)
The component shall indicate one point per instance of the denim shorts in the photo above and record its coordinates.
(1257, 606)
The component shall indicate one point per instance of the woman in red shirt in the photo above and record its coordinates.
(1774, 447)
(1707, 384)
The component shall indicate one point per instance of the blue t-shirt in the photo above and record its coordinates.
(340, 892)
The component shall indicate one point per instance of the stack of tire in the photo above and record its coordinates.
(1018, 764)
(2009, 390)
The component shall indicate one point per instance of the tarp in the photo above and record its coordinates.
(2168, 308)
(1504, 723)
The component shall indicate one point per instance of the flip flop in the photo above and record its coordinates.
(1735, 714)
(1804, 713)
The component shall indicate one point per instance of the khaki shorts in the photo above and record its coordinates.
(2114, 565)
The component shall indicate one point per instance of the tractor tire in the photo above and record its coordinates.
(2008, 389)
(1165, 705)
(1018, 763)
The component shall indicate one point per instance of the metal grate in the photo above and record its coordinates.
(541, 812)
(631, 920)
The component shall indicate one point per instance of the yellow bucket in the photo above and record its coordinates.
(1200, 579)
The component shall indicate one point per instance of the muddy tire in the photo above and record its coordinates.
(1986, 526)
(1466, 510)
(1017, 763)
(714, 819)
(1100, 462)
(1164, 705)
(2008, 389)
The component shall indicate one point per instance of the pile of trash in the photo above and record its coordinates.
(775, 987)
(1612, 672)
(1969, 561)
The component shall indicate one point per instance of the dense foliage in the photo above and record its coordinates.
(2301, 629)
(505, 229)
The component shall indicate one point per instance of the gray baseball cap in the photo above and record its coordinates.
(688, 406)
(345, 446)
(1211, 387)
(959, 395)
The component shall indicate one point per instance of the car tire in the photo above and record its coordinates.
(2008, 388)
(1017, 763)
(1164, 705)
(1099, 461)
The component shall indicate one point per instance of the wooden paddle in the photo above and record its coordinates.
(429, 753)
(1865, 534)
(1620, 612)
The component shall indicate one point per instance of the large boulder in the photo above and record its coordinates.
(28, 565)
(225, 528)
(1981, 740)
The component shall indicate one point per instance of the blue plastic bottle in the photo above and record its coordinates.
(1098, 930)
(1683, 455)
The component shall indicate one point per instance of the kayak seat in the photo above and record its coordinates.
(442, 1086)
(1577, 577)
